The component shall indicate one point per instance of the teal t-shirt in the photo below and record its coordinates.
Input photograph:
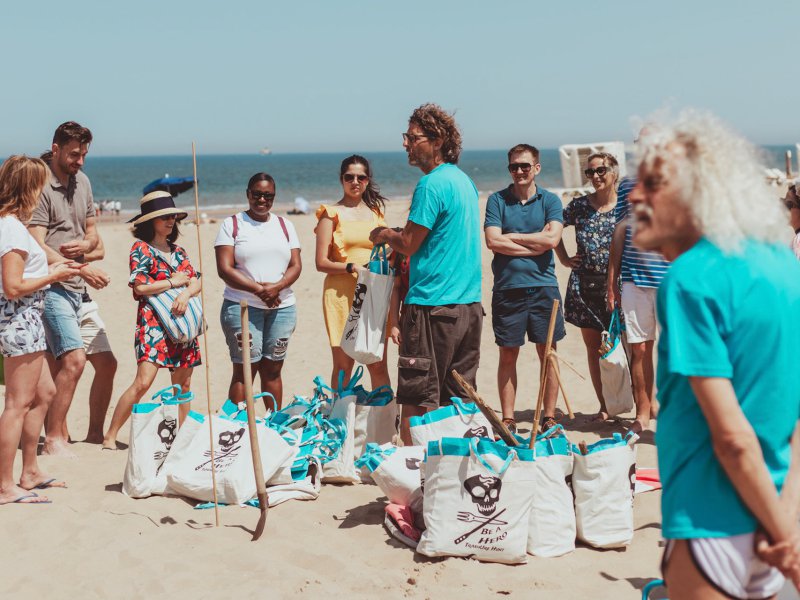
(735, 317)
(446, 269)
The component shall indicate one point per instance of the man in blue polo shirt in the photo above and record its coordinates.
(523, 225)
(440, 324)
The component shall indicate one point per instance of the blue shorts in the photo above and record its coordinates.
(62, 324)
(270, 330)
(519, 311)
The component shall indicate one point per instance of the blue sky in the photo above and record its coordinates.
(148, 77)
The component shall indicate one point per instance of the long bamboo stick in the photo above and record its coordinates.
(487, 411)
(261, 488)
(205, 337)
(543, 372)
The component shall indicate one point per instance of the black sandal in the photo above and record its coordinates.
(547, 423)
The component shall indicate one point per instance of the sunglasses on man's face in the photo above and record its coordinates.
(601, 172)
(524, 167)
(350, 178)
(260, 195)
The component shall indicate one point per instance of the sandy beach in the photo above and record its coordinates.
(94, 542)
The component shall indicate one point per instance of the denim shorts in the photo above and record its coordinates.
(270, 330)
(519, 311)
(62, 325)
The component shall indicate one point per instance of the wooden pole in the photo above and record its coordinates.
(205, 336)
(543, 372)
(261, 488)
(487, 411)
(554, 359)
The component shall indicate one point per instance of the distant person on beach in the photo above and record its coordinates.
(157, 264)
(343, 249)
(523, 224)
(585, 305)
(792, 202)
(728, 381)
(24, 277)
(258, 258)
(440, 329)
(64, 225)
(639, 273)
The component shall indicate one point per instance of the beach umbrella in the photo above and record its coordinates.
(173, 185)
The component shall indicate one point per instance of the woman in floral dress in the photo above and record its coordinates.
(157, 264)
(585, 303)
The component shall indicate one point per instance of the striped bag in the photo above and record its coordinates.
(180, 329)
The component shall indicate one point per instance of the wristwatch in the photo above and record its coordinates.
(350, 267)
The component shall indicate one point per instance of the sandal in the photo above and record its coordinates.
(547, 423)
(511, 425)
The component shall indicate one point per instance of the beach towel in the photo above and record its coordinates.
(551, 527)
(614, 371)
(396, 471)
(364, 334)
(153, 428)
(375, 421)
(647, 480)
(400, 525)
(603, 482)
(460, 419)
(477, 500)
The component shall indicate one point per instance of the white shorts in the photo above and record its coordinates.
(639, 309)
(730, 565)
(93, 330)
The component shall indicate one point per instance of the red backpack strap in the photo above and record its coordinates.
(235, 227)
(283, 226)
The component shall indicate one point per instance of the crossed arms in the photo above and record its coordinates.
(524, 244)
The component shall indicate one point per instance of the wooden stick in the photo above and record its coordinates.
(569, 364)
(205, 337)
(543, 372)
(497, 424)
(561, 385)
(261, 488)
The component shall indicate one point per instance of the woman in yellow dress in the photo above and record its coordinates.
(343, 248)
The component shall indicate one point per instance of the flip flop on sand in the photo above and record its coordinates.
(31, 498)
(50, 483)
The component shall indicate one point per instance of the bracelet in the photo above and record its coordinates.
(170, 284)
(349, 267)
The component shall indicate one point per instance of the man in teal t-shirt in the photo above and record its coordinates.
(440, 324)
(728, 381)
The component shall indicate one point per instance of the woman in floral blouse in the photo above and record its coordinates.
(593, 218)
(157, 264)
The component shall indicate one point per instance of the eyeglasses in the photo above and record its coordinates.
(601, 171)
(350, 178)
(412, 138)
(524, 167)
(260, 195)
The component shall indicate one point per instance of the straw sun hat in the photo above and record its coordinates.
(157, 204)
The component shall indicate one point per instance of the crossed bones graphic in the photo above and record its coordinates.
(217, 458)
(468, 517)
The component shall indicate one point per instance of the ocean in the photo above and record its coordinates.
(223, 178)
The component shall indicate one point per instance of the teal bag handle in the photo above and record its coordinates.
(172, 395)
(473, 448)
(380, 396)
(354, 379)
(462, 407)
(264, 395)
(379, 264)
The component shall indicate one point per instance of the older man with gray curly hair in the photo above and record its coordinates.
(729, 387)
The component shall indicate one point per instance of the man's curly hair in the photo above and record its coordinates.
(438, 123)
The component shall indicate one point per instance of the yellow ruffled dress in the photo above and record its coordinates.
(350, 243)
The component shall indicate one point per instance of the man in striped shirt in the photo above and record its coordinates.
(640, 274)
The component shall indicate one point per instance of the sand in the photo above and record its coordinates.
(94, 542)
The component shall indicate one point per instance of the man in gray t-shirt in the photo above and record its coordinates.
(64, 225)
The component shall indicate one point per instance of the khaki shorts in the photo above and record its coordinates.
(436, 340)
(639, 309)
(93, 330)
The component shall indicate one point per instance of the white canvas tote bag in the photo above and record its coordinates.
(153, 429)
(615, 373)
(477, 500)
(460, 419)
(376, 420)
(604, 481)
(395, 470)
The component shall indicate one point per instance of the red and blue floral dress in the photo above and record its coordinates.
(152, 344)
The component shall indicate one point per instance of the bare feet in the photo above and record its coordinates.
(639, 425)
(600, 417)
(34, 481)
(110, 444)
(58, 447)
(17, 495)
(94, 438)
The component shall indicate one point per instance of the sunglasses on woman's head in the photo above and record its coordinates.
(601, 171)
(350, 178)
(260, 195)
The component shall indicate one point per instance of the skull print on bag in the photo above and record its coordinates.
(485, 492)
(166, 431)
(228, 438)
